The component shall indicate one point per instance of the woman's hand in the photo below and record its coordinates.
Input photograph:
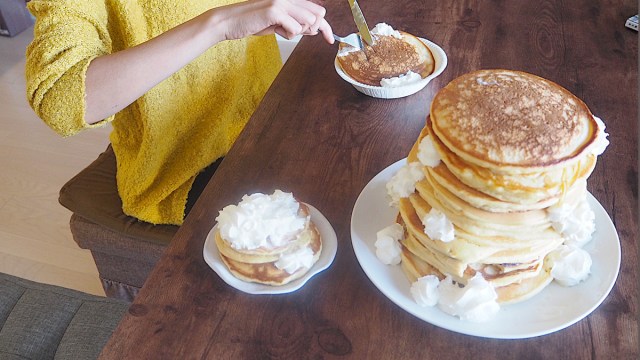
(287, 18)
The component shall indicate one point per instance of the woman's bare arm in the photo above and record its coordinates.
(116, 80)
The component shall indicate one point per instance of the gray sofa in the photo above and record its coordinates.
(39, 321)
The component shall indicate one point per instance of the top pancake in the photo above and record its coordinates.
(388, 57)
(510, 120)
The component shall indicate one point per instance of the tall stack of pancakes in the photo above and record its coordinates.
(389, 57)
(512, 145)
(260, 264)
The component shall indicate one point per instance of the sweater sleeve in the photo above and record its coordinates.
(68, 35)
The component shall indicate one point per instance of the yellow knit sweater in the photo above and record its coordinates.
(183, 124)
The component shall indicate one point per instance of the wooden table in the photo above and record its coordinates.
(315, 136)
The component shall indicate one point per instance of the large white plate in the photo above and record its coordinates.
(553, 309)
(329, 249)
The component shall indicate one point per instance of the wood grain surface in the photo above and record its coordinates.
(316, 136)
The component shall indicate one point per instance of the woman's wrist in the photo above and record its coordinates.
(214, 26)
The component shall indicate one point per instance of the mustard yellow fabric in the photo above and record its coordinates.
(183, 124)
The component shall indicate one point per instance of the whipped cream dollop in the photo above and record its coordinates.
(569, 265)
(380, 29)
(475, 302)
(383, 29)
(483, 82)
(403, 183)
(425, 290)
(346, 50)
(387, 244)
(437, 226)
(301, 258)
(401, 80)
(576, 225)
(427, 153)
(601, 142)
(261, 221)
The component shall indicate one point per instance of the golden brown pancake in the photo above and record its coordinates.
(415, 268)
(505, 259)
(304, 238)
(244, 254)
(525, 289)
(388, 57)
(267, 272)
(511, 121)
(512, 145)
(497, 191)
(528, 186)
(258, 265)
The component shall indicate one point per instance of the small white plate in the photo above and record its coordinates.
(329, 249)
(439, 57)
(554, 308)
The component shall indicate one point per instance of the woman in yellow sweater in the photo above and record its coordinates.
(178, 80)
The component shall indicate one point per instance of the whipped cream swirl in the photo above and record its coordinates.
(576, 225)
(601, 142)
(387, 244)
(403, 183)
(569, 265)
(475, 302)
(425, 290)
(301, 258)
(261, 221)
(427, 153)
(383, 29)
(482, 81)
(346, 50)
(401, 80)
(437, 226)
(380, 29)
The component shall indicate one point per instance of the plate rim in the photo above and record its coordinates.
(453, 323)
(329, 249)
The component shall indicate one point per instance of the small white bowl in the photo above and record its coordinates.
(439, 57)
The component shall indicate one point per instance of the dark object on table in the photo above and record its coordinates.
(632, 23)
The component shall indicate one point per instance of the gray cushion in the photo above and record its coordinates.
(39, 321)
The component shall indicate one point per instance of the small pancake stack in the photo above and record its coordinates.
(268, 239)
(390, 56)
(512, 147)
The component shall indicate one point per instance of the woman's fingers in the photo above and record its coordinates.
(304, 14)
(327, 32)
(317, 13)
(312, 7)
(290, 25)
(287, 18)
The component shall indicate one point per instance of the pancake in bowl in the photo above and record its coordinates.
(395, 54)
(268, 239)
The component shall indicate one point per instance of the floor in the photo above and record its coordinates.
(35, 241)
